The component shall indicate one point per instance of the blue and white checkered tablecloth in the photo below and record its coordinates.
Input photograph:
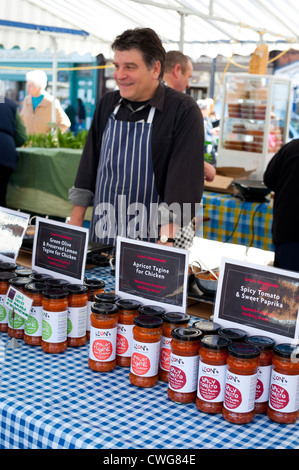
(55, 401)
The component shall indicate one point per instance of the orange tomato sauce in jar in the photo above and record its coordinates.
(171, 320)
(94, 287)
(54, 325)
(235, 335)
(33, 324)
(5, 276)
(103, 330)
(147, 333)
(16, 322)
(127, 312)
(76, 322)
(283, 406)
(212, 373)
(266, 345)
(184, 361)
(240, 383)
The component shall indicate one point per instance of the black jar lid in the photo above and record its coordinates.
(5, 276)
(35, 287)
(176, 318)
(207, 327)
(23, 272)
(234, 334)
(186, 334)
(54, 282)
(19, 281)
(4, 266)
(76, 289)
(94, 283)
(244, 350)
(40, 276)
(128, 304)
(263, 342)
(104, 308)
(155, 310)
(108, 297)
(148, 321)
(286, 350)
(54, 292)
(215, 342)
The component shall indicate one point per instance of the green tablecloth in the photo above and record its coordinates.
(42, 180)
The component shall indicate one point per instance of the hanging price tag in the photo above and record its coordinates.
(19, 302)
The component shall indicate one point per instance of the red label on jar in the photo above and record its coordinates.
(259, 389)
(279, 397)
(165, 358)
(209, 388)
(177, 378)
(140, 364)
(122, 344)
(232, 397)
(102, 349)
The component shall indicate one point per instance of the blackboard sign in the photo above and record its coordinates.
(152, 273)
(60, 250)
(258, 299)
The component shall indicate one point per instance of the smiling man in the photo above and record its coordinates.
(142, 165)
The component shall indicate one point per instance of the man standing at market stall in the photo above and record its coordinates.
(144, 149)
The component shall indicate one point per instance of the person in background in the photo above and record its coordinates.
(37, 106)
(81, 115)
(281, 176)
(211, 132)
(144, 148)
(71, 113)
(12, 135)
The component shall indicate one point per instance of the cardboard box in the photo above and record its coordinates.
(224, 177)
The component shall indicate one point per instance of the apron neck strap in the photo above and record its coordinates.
(150, 114)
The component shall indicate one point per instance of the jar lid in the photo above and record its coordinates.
(94, 283)
(35, 287)
(148, 321)
(7, 266)
(263, 342)
(152, 310)
(244, 350)
(234, 334)
(108, 297)
(6, 276)
(286, 350)
(19, 281)
(56, 282)
(40, 277)
(54, 292)
(74, 289)
(104, 308)
(176, 318)
(23, 272)
(206, 326)
(215, 342)
(186, 334)
(128, 304)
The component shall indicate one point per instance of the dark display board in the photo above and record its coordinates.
(256, 298)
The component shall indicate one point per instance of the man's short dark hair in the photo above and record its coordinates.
(146, 41)
(176, 57)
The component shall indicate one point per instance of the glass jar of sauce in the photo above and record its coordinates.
(171, 320)
(235, 335)
(240, 384)
(5, 277)
(16, 322)
(184, 361)
(76, 322)
(127, 312)
(147, 333)
(33, 324)
(154, 310)
(283, 406)
(266, 345)
(54, 325)
(206, 327)
(94, 286)
(212, 373)
(103, 330)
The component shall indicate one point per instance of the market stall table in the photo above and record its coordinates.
(229, 219)
(54, 401)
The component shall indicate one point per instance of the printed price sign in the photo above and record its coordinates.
(19, 302)
(151, 273)
(258, 299)
(60, 250)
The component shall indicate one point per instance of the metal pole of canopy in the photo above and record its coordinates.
(54, 77)
(182, 31)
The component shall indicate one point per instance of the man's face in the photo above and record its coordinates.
(183, 80)
(135, 81)
(33, 89)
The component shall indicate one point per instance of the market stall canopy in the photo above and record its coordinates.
(198, 27)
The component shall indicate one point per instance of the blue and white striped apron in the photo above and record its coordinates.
(125, 188)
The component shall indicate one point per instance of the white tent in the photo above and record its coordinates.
(198, 27)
